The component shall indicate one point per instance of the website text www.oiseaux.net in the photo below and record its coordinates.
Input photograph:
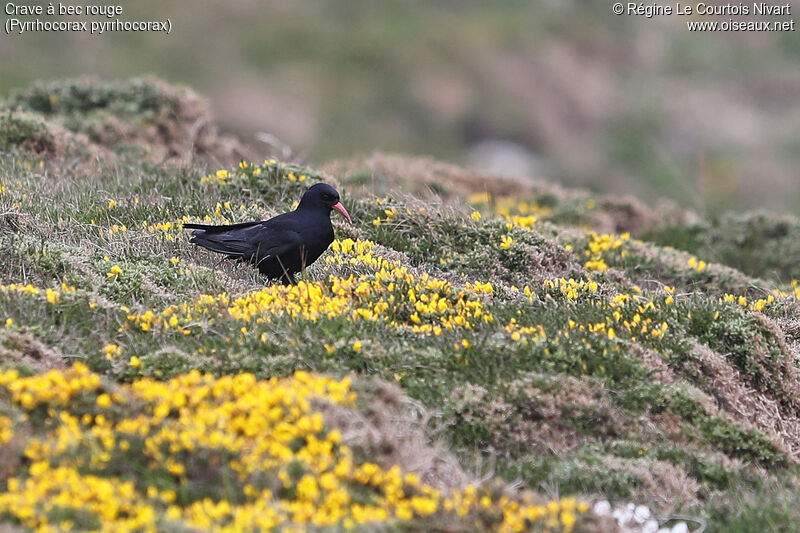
(740, 25)
(698, 11)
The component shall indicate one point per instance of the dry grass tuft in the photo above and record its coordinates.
(747, 407)
(379, 174)
(390, 429)
(17, 347)
(180, 131)
(664, 484)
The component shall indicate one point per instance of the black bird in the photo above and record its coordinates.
(282, 246)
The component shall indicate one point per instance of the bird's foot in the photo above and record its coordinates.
(288, 280)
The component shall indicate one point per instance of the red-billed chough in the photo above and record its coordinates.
(282, 246)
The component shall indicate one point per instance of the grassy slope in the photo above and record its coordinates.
(612, 367)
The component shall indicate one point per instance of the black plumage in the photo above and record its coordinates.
(281, 246)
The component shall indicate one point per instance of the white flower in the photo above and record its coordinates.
(680, 527)
(651, 526)
(602, 508)
(623, 516)
(641, 514)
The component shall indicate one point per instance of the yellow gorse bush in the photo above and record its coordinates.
(632, 315)
(519, 213)
(601, 247)
(52, 295)
(388, 292)
(225, 454)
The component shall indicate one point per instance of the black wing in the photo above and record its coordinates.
(251, 241)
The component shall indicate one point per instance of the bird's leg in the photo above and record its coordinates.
(303, 262)
(287, 278)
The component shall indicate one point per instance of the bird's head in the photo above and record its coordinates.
(323, 195)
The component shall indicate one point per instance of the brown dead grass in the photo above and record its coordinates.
(555, 419)
(379, 174)
(390, 429)
(17, 347)
(790, 352)
(421, 176)
(178, 135)
(654, 362)
(746, 406)
(181, 134)
(665, 262)
(550, 261)
(56, 143)
(664, 484)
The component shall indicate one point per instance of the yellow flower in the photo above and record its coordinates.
(135, 362)
(104, 400)
(357, 346)
(9, 322)
(229, 416)
(111, 351)
(115, 271)
(506, 241)
(475, 215)
(697, 265)
(479, 198)
(599, 265)
(53, 297)
(112, 204)
(568, 519)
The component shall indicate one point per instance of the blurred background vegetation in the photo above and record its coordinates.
(560, 90)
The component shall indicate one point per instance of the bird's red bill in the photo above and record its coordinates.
(339, 207)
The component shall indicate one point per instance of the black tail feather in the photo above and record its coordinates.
(216, 229)
(223, 239)
(219, 246)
